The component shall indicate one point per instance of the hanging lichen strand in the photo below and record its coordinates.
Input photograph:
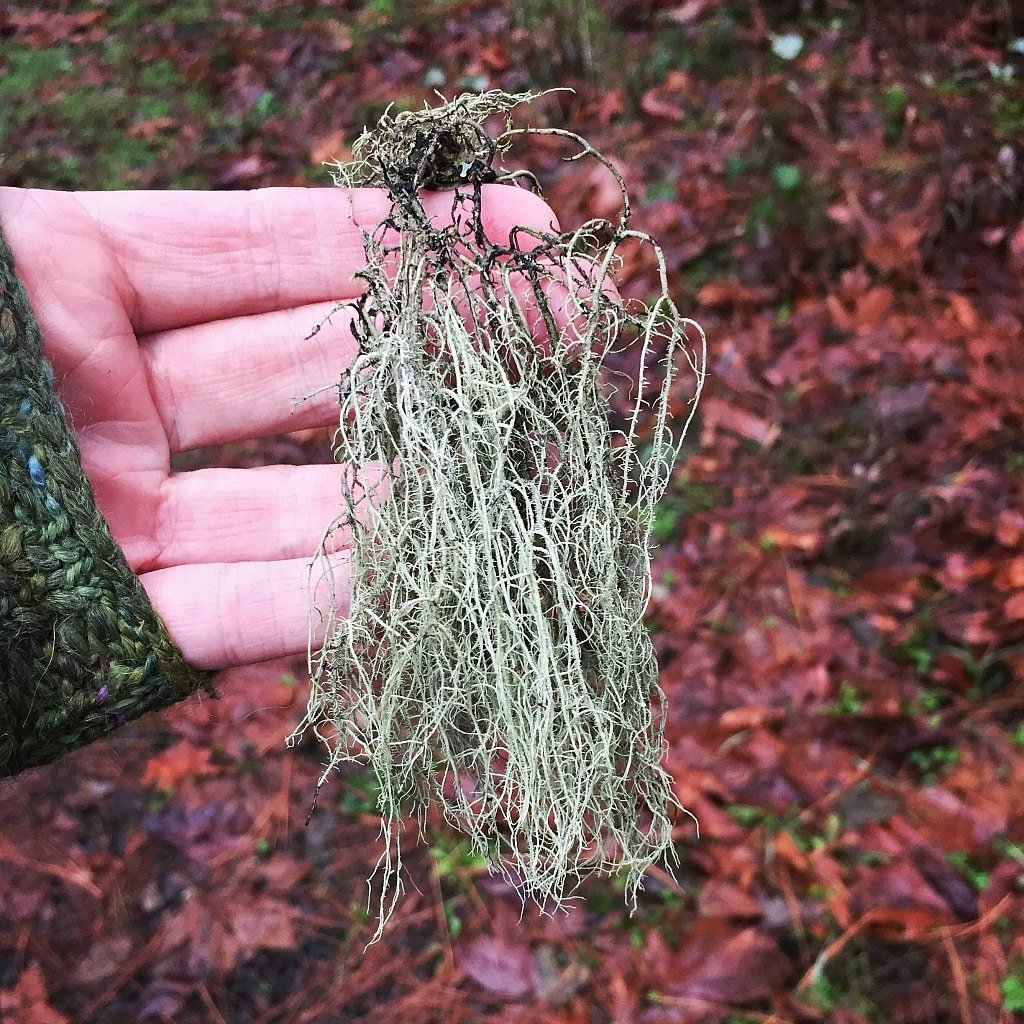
(494, 659)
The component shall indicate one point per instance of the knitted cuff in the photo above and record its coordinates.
(81, 649)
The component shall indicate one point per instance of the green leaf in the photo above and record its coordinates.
(1013, 993)
(787, 178)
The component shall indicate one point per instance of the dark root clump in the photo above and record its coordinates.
(495, 660)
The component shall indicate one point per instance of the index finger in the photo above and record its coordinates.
(193, 257)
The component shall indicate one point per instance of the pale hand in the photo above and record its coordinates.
(177, 320)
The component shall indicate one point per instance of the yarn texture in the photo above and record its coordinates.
(82, 650)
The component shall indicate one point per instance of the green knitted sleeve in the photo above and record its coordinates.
(81, 649)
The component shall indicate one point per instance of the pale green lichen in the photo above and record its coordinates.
(494, 659)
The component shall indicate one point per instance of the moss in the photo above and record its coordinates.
(494, 661)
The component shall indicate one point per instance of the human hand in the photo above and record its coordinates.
(176, 320)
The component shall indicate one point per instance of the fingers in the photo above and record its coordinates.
(191, 257)
(249, 377)
(267, 513)
(275, 372)
(222, 615)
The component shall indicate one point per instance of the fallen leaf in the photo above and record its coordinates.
(1016, 247)
(330, 147)
(719, 413)
(179, 762)
(27, 1002)
(800, 540)
(720, 898)
(733, 293)
(1014, 607)
(151, 127)
(103, 959)
(503, 969)
(690, 11)
(267, 923)
(717, 962)
(242, 169)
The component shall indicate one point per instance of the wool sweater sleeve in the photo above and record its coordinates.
(81, 648)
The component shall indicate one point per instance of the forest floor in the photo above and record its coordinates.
(838, 605)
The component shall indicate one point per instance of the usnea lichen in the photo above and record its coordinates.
(494, 659)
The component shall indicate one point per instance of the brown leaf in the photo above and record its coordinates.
(555, 980)
(180, 762)
(1011, 574)
(904, 409)
(149, 128)
(947, 882)
(862, 66)
(733, 293)
(965, 312)
(103, 960)
(43, 28)
(241, 169)
(895, 247)
(1010, 529)
(690, 11)
(720, 898)
(1016, 247)
(652, 103)
(611, 105)
(717, 962)
(27, 1002)
(872, 308)
(899, 887)
(1014, 607)
(622, 997)
(330, 147)
(602, 191)
(495, 57)
(268, 923)
(739, 421)
(503, 968)
(209, 942)
(800, 540)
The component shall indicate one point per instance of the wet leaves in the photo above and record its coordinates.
(838, 590)
(503, 968)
